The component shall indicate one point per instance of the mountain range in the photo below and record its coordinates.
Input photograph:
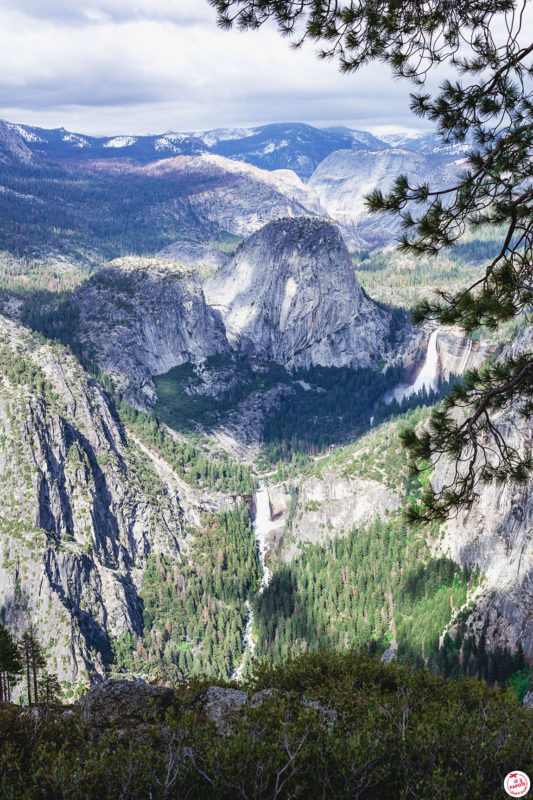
(198, 456)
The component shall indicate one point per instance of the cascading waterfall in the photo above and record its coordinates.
(426, 379)
(262, 526)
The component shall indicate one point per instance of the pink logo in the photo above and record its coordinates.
(516, 784)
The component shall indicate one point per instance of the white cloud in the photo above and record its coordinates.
(133, 66)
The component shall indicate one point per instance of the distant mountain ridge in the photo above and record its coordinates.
(139, 194)
(295, 146)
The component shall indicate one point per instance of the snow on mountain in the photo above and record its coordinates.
(213, 137)
(424, 142)
(120, 141)
(13, 146)
(26, 134)
(76, 140)
(291, 145)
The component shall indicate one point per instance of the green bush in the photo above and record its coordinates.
(333, 726)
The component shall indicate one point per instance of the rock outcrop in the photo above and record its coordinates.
(141, 317)
(290, 295)
(13, 147)
(344, 179)
(81, 508)
(237, 197)
(496, 535)
(331, 505)
(204, 259)
(124, 704)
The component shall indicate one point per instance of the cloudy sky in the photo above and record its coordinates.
(147, 66)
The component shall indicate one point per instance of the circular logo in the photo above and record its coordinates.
(516, 784)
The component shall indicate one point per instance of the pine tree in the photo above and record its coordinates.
(33, 660)
(487, 104)
(49, 688)
(10, 664)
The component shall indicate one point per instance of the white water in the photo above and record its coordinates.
(426, 379)
(262, 525)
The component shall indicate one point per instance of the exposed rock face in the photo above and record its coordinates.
(124, 704)
(220, 705)
(290, 295)
(343, 180)
(496, 534)
(141, 317)
(81, 508)
(13, 148)
(238, 197)
(206, 260)
(332, 506)
(457, 354)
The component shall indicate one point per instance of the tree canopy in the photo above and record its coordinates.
(488, 105)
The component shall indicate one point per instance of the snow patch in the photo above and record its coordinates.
(120, 141)
(27, 135)
(77, 141)
(210, 138)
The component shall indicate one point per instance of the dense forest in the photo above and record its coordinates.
(113, 211)
(195, 612)
(369, 586)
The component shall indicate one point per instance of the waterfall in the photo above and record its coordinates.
(426, 379)
(262, 526)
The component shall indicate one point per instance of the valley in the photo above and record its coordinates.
(207, 357)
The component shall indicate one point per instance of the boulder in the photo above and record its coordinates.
(124, 704)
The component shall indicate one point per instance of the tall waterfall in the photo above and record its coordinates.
(262, 526)
(426, 379)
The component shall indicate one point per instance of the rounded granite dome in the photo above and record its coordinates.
(290, 294)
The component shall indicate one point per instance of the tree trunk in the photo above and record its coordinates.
(27, 657)
(34, 670)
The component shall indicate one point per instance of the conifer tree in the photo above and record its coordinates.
(10, 664)
(487, 103)
(33, 660)
(49, 688)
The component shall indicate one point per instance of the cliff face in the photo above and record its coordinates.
(457, 354)
(331, 505)
(81, 508)
(344, 179)
(496, 535)
(204, 259)
(237, 197)
(141, 317)
(290, 295)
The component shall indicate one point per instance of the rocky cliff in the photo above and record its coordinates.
(81, 508)
(83, 505)
(344, 179)
(496, 535)
(290, 295)
(237, 197)
(141, 317)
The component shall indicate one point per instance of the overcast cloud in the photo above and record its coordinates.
(140, 66)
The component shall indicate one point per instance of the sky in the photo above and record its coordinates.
(105, 67)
